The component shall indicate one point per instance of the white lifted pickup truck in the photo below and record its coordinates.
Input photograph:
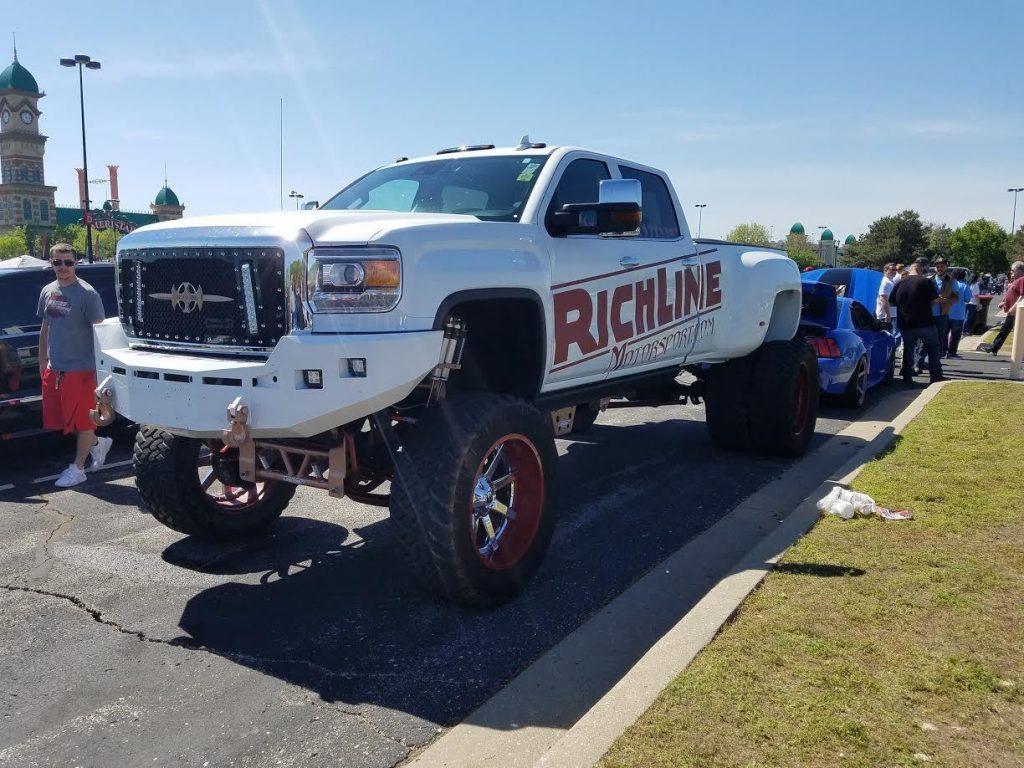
(429, 331)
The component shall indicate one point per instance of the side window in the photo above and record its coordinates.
(861, 318)
(659, 215)
(579, 183)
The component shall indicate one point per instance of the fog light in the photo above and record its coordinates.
(357, 366)
(313, 378)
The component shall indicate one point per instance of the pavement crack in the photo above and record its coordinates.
(369, 722)
(98, 617)
(43, 556)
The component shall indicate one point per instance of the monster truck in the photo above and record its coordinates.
(419, 340)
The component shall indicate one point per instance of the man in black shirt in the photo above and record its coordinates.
(913, 298)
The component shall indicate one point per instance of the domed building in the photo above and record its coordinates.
(827, 250)
(25, 198)
(166, 205)
(850, 240)
(797, 229)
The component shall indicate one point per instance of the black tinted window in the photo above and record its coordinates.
(580, 183)
(862, 319)
(659, 215)
(19, 294)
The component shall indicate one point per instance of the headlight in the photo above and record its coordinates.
(354, 279)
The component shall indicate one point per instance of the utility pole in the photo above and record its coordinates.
(1015, 190)
(700, 216)
(80, 60)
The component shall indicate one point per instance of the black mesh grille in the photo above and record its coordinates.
(199, 295)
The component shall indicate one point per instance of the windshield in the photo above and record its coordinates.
(493, 188)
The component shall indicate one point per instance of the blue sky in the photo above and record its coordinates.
(827, 113)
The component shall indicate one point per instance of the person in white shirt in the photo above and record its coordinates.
(885, 311)
(973, 306)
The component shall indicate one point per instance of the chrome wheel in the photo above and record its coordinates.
(508, 502)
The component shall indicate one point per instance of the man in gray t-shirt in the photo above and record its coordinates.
(69, 308)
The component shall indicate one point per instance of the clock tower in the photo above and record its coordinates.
(24, 196)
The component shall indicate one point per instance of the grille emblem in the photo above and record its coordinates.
(188, 298)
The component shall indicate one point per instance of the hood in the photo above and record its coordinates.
(322, 227)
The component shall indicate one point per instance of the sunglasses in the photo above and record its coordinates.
(63, 262)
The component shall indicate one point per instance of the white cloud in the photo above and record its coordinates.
(938, 128)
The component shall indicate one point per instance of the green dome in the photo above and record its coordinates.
(18, 78)
(108, 206)
(797, 229)
(166, 196)
(827, 235)
(850, 240)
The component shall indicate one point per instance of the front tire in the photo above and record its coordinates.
(473, 501)
(190, 486)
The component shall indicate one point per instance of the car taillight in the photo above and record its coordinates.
(824, 347)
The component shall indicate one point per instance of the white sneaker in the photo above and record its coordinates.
(100, 450)
(70, 477)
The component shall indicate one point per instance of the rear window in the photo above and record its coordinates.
(659, 214)
(19, 294)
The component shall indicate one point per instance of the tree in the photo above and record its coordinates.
(980, 245)
(899, 239)
(105, 241)
(800, 250)
(1015, 246)
(938, 237)
(751, 233)
(805, 258)
(11, 244)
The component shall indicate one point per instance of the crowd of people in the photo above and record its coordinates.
(930, 312)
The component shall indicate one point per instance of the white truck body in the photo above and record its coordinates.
(611, 307)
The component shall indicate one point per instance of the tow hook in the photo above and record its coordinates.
(104, 413)
(237, 436)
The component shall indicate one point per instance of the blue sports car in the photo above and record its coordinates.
(855, 351)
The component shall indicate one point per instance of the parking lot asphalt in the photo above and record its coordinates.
(124, 643)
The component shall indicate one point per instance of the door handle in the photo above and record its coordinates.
(629, 261)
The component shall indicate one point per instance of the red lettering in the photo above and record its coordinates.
(621, 330)
(692, 292)
(643, 305)
(602, 319)
(569, 332)
(712, 288)
(664, 308)
(678, 306)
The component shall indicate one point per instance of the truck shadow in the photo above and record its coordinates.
(331, 609)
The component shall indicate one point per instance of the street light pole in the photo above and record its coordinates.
(1015, 190)
(297, 197)
(700, 216)
(79, 61)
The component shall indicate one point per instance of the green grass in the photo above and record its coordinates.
(912, 656)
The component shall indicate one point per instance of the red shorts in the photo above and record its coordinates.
(68, 396)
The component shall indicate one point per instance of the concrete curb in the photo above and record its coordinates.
(569, 706)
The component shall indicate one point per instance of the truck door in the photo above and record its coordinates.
(592, 281)
(668, 330)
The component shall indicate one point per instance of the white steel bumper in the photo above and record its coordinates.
(189, 394)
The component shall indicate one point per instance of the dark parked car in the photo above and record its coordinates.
(20, 398)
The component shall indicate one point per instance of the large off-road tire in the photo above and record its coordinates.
(785, 393)
(473, 501)
(727, 403)
(181, 488)
(856, 392)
